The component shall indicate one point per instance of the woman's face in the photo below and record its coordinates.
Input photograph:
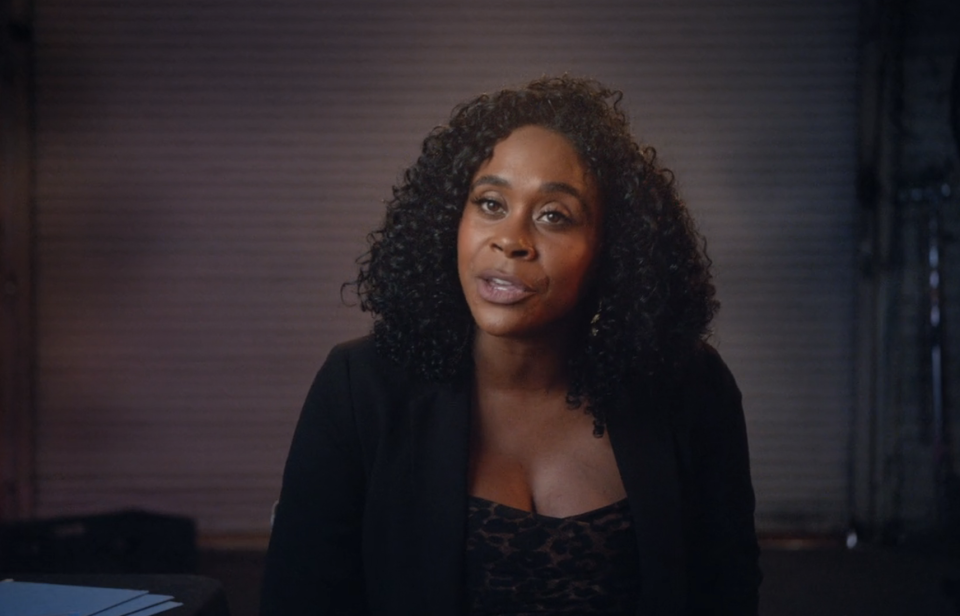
(529, 236)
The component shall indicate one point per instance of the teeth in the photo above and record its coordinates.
(499, 282)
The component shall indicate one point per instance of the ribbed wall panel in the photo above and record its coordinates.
(207, 172)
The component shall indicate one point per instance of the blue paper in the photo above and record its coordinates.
(135, 605)
(35, 599)
(156, 609)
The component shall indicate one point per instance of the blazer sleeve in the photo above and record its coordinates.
(723, 567)
(314, 563)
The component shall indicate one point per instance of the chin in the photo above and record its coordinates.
(498, 329)
(517, 329)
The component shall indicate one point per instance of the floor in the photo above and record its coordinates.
(797, 582)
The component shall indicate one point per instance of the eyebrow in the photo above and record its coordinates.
(546, 187)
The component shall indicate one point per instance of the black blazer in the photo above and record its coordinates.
(371, 518)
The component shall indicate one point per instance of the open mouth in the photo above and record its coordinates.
(499, 288)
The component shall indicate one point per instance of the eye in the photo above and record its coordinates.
(554, 217)
(488, 206)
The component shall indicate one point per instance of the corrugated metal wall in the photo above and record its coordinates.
(207, 172)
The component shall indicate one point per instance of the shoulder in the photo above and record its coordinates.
(702, 400)
(705, 377)
(705, 362)
(357, 352)
(707, 368)
(359, 383)
(357, 363)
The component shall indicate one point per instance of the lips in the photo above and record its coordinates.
(499, 288)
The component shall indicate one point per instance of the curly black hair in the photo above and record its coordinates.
(652, 289)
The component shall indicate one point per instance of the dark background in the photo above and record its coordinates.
(185, 185)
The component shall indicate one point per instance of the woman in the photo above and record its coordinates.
(535, 425)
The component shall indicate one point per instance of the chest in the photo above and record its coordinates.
(422, 469)
(541, 456)
(518, 562)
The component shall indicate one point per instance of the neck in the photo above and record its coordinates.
(521, 364)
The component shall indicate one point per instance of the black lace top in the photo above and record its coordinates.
(520, 563)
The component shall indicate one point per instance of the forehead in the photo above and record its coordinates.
(539, 153)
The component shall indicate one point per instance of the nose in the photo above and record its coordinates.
(519, 250)
(515, 242)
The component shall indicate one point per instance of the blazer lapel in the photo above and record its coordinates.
(643, 444)
(440, 444)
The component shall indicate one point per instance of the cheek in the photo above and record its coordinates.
(470, 237)
(580, 271)
(461, 246)
(464, 251)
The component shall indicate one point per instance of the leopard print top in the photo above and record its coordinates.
(519, 563)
